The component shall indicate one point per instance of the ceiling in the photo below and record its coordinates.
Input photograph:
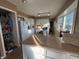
(33, 7)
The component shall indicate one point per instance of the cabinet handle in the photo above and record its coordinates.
(50, 57)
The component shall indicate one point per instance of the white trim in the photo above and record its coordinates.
(2, 43)
(17, 29)
(64, 23)
(4, 52)
(74, 19)
(7, 9)
(2, 57)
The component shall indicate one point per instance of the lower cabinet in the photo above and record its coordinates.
(33, 52)
(56, 55)
(74, 57)
(52, 54)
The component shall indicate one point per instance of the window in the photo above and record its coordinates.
(67, 18)
(60, 22)
(69, 21)
(66, 21)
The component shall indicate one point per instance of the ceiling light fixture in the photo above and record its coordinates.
(23, 1)
(39, 15)
(48, 14)
(44, 14)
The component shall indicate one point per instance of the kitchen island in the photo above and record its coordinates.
(48, 47)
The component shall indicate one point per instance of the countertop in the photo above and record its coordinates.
(50, 42)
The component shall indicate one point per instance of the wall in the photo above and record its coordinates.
(65, 6)
(71, 38)
(57, 33)
(77, 21)
(25, 32)
(43, 21)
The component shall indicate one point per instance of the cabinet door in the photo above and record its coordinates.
(56, 55)
(33, 52)
(73, 57)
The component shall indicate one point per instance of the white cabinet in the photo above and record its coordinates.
(38, 52)
(33, 52)
(50, 58)
(55, 55)
(73, 57)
